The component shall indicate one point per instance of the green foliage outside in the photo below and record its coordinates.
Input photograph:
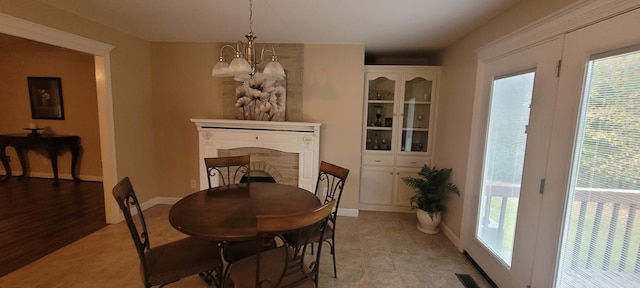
(610, 154)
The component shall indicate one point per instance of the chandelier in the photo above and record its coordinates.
(241, 68)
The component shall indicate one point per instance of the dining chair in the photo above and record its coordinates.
(233, 170)
(228, 170)
(283, 266)
(170, 262)
(329, 185)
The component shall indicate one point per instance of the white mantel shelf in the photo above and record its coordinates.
(257, 125)
(293, 137)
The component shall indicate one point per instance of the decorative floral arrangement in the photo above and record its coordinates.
(261, 99)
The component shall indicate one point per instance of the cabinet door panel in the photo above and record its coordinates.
(376, 185)
(379, 107)
(404, 192)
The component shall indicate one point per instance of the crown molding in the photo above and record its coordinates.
(579, 14)
(24, 29)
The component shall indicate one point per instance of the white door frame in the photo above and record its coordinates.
(579, 14)
(21, 28)
(542, 60)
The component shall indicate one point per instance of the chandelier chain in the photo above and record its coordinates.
(251, 16)
(243, 67)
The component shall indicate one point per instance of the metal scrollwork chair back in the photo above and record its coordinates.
(228, 170)
(331, 180)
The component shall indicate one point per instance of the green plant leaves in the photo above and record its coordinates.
(432, 188)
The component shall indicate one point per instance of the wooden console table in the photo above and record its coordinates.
(52, 143)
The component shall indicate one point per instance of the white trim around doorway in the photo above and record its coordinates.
(25, 29)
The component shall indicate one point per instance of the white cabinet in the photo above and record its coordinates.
(398, 131)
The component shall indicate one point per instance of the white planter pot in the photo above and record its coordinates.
(426, 224)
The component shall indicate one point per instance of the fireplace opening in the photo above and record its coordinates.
(258, 176)
(267, 163)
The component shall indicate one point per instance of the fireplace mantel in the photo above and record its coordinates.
(302, 127)
(294, 137)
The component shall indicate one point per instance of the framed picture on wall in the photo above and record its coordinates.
(45, 94)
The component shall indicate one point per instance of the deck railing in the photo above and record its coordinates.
(610, 229)
(607, 239)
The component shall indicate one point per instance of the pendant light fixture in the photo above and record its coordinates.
(243, 68)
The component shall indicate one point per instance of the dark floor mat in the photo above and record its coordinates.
(467, 281)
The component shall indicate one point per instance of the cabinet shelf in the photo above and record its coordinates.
(379, 128)
(380, 101)
(416, 129)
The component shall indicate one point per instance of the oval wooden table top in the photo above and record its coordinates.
(228, 213)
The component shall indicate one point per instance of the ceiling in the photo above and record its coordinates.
(382, 26)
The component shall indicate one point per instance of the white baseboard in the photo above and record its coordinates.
(452, 237)
(148, 204)
(348, 212)
(166, 200)
(386, 208)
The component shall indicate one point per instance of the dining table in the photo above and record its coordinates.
(228, 213)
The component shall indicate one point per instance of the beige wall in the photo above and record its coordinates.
(131, 88)
(22, 58)
(333, 92)
(459, 63)
(182, 89)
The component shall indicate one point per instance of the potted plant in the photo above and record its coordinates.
(432, 187)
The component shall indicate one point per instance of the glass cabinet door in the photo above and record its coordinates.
(379, 114)
(416, 114)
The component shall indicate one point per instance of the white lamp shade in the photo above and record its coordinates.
(240, 65)
(241, 77)
(273, 71)
(221, 69)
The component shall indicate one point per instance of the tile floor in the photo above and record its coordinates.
(376, 249)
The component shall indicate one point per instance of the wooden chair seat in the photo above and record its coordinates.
(173, 261)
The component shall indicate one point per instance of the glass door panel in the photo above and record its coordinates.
(416, 111)
(380, 114)
(504, 162)
(601, 242)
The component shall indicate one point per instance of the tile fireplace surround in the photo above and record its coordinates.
(303, 139)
